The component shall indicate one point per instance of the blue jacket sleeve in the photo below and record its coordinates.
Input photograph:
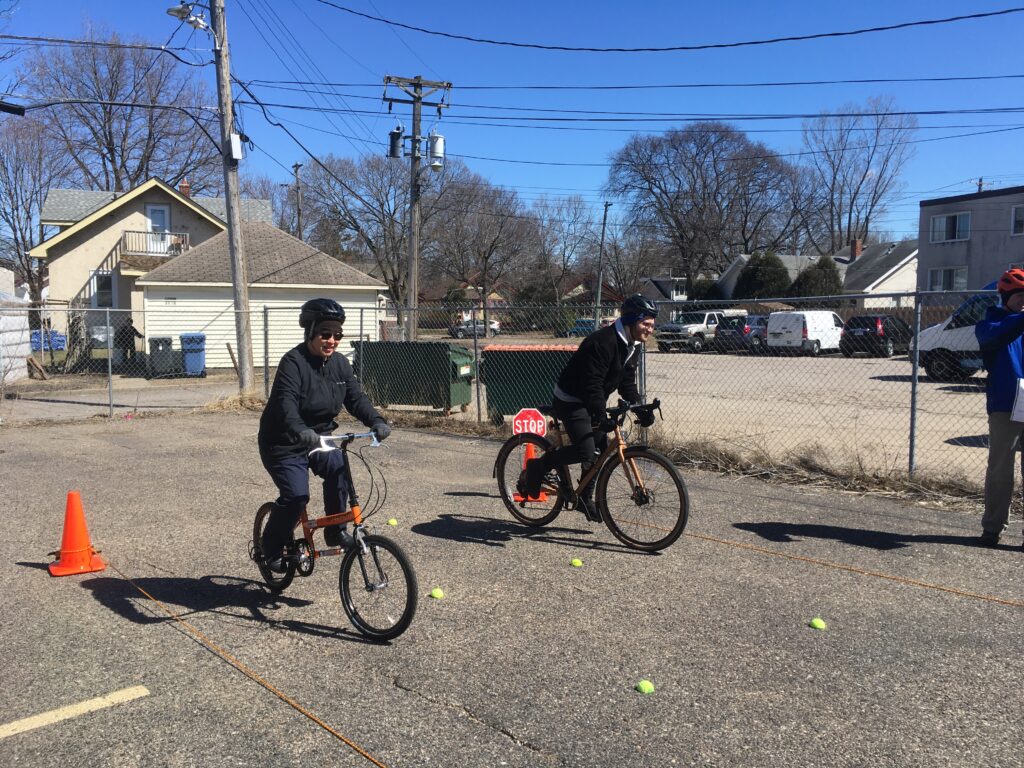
(996, 332)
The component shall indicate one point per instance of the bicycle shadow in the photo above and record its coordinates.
(472, 529)
(785, 533)
(229, 596)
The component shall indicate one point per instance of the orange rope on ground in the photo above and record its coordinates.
(862, 572)
(250, 673)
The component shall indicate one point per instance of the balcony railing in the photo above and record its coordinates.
(154, 243)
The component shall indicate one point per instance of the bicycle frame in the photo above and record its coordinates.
(353, 515)
(615, 445)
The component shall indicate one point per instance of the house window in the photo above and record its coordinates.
(952, 279)
(950, 227)
(1017, 220)
(102, 290)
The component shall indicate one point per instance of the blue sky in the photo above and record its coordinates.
(331, 45)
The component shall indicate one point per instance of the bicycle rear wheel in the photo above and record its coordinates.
(510, 463)
(379, 596)
(278, 582)
(652, 515)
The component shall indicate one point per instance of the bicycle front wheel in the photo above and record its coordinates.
(378, 588)
(649, 514)
(276, 581)
(511, 461)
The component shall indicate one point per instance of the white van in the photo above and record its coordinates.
(809, 332)
(949, 350)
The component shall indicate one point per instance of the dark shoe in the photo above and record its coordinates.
(277, 565)
(589, 508)
(337, 536)
(988, 539)
(532, 478)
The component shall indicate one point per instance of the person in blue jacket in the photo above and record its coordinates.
(1002, 351)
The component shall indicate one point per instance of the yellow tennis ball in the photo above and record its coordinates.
(437, 593)
(645, 686)
(818, 623)
(392, 521)
(576, 563)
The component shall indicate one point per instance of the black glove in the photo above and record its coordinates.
(644, 418)
(603, 425)
(381, 429)
(309, 439)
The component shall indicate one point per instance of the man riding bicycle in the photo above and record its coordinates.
(606, 361)
(312, 385)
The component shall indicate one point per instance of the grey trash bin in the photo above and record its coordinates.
(161, 356)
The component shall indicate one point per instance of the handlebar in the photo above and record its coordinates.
(337, 442)
(619, 412)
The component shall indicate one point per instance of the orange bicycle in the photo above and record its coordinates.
(639, 492)
(380, 596)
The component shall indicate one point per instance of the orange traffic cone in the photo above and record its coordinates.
(76, 552)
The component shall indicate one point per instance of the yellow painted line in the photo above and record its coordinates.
(72, 710)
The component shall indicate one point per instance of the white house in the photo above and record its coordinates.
(192, 293)
(879, 269)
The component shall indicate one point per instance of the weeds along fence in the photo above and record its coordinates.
(882, 386)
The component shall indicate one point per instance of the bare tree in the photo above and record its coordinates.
(116, 148)
(259, 186)
(482, 233)
(30, 164)
(630, 255)
(564, 230)
(710, 191)
(858, 155)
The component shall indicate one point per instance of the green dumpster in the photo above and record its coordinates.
(437, 374)
(520, 375)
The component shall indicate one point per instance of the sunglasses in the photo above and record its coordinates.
(327, 335)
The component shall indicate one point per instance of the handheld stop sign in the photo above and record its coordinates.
(529, 420)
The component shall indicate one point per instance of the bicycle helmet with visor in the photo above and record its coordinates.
(636, 308)
(1010, 283)
(315, 311)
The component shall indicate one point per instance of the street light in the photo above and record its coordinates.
(184, 13)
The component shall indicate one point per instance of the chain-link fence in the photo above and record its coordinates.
(828, 383)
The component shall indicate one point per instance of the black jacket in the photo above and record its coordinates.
(596, 370)
(308, 393)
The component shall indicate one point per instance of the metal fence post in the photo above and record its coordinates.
(362, 357)
(110, 365)
(476, 361)
(913, 384)
(266, 351)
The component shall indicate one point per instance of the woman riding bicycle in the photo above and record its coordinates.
(312, 385)
(606, 361)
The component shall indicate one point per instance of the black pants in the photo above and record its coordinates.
(291, 476)
(586, 444)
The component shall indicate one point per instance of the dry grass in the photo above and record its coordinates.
(810, 466)
(242, 402)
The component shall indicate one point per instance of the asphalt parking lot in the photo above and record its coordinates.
(526, 661)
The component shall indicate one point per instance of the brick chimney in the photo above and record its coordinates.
(185, 188)
(855, 249)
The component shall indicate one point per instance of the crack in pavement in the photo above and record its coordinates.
(548, 757)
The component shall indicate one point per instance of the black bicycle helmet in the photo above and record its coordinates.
(317, 310)
(636, 307)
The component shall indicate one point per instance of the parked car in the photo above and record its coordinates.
(949, 350)
(584, 327)
(739, 333)
(470, 328)
(691, 330)
(878, 335)
(809, 331)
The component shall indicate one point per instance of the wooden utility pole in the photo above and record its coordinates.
(298, 201)
(414, 87)
(600, 270)
(232, 202)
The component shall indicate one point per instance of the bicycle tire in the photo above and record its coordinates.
(507, 467)
(278, 582)
(627, 518)
(394, 621)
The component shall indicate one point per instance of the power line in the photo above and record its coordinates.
(46, 41)
(651, 86)
(677, 48)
